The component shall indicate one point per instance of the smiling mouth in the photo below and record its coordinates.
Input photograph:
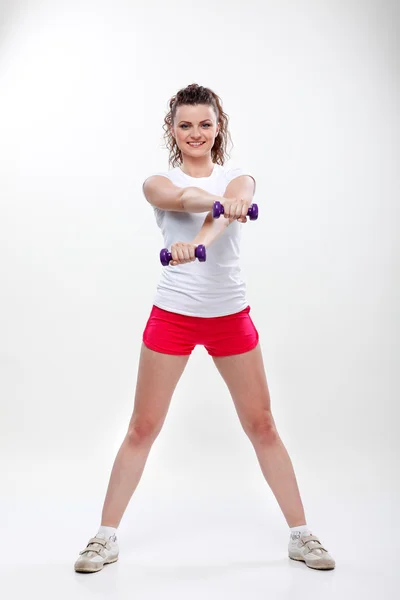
(195, 144)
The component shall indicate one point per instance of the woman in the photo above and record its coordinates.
(201, 303)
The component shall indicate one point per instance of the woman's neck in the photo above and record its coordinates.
(198, 167)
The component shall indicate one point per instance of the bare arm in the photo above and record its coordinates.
(197, 200)
(159, 191)
(184, 252)
(212, 229)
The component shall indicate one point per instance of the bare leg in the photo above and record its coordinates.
(157, 379)
(245, 377)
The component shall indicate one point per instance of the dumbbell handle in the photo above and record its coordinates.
(166, 256)
(218, 210)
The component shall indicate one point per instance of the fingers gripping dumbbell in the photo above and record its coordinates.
(218, 210)
(166, 256)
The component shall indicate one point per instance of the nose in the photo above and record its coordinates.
(196, 133)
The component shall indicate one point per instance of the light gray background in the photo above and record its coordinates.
(312, 92)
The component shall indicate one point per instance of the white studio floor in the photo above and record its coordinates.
(183, 541)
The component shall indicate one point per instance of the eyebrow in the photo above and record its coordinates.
(191, 122)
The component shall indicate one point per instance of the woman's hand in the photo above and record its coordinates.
(235, 209)
(182, 252)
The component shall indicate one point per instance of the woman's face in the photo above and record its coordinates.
(195, 123)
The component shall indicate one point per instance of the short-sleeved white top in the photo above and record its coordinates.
(213, 288)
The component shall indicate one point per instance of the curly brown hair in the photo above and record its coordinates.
(197, 94)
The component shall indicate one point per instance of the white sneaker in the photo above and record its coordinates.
(306, 547)
(98, 552)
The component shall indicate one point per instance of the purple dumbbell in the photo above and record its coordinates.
(166, 256)
(218, 210)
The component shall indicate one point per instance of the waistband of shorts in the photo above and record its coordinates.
(156, 310)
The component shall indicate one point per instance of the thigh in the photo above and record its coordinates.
(244, 374)
(158, 375)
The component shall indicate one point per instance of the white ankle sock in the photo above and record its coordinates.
(295, 532)
(108, 531)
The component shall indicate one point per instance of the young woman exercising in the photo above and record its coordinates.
(201, 302)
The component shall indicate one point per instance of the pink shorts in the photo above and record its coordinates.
(172, 333)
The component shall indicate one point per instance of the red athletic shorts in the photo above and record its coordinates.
(172, 333)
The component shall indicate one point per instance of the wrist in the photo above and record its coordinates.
(198, 200)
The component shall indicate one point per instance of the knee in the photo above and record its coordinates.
(261, 429)
(142, 431)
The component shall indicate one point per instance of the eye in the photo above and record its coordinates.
(184, 125)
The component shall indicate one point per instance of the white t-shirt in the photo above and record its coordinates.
(213, 288)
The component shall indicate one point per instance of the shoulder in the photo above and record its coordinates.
(165, 174)
(230, 172)
(169, 173)
(172, 175)
(158, 174)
